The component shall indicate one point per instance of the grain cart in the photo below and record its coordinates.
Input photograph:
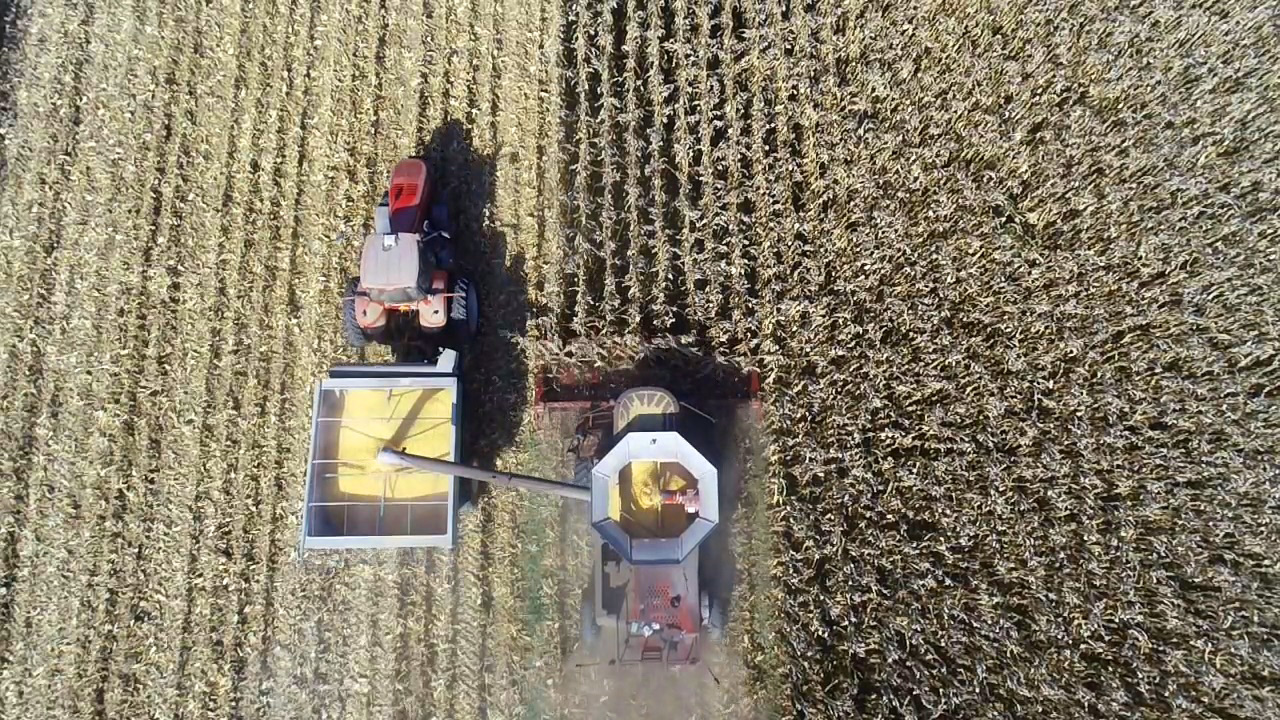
(410, 291)
(383, 468)
(351, 500)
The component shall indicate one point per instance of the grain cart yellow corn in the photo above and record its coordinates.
(352, 500)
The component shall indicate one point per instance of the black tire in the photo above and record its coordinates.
(587, 611)
(717, 617)
(351, 329)
(465, 316)
(439, 218)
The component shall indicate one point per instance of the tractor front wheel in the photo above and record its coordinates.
(350, 326)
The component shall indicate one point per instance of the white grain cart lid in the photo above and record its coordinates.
(351, 500)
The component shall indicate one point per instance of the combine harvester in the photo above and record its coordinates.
(385, 469)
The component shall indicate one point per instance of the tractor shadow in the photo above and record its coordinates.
(495, 372)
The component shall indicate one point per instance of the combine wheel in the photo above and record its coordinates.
(713, 616)
(350, 327)
(590, 628)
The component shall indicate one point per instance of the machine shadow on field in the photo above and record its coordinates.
(495, 378)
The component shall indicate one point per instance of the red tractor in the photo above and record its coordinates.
(410, 291)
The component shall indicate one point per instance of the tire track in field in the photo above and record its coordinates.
(39, 140)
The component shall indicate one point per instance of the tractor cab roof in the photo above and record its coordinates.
(393, 268)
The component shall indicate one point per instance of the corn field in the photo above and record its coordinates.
(1010, 272)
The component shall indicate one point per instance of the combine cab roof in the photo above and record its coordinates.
(351, 500)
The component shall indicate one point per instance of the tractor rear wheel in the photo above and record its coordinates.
(464, 311)
(350, 326)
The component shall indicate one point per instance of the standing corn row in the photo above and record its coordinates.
(729, 251)
(605, 308)
(635, 237)
(703, 299)
(661, 279)
(552, 206)
(681, 294)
